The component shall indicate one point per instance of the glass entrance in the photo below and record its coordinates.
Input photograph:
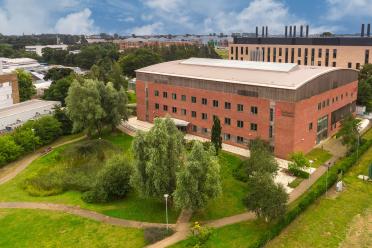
(322, 129)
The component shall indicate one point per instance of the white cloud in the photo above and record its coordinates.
(164, 5)
(76, 23)
(338, 9)
(154, 28)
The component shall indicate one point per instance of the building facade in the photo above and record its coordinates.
(292, 107)
(9, 93)
(329, 51)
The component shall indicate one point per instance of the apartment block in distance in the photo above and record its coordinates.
(9, 93)
(297, 46)
(294, 107)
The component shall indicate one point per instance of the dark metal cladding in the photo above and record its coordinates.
(362, 31)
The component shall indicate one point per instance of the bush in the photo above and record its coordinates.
(112, 182)
(26, 138)
(47, 128)
(298, 172)
(9, 150)
(154, 234)
(200, 235)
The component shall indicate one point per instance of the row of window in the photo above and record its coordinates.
(226, 136)
(204, 101)
(326, 103)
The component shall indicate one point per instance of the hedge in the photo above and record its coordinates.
(299, 173)
(316, 190)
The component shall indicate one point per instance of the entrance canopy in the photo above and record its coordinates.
(180, 123)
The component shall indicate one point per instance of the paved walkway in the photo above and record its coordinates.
(81, 212)
(14, 168)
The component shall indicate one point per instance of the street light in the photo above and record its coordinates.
(166, 208)
(327, 166)
(33, 138)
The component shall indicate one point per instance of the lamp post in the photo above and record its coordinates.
(166, 208)
(33, 138)
(327, 166)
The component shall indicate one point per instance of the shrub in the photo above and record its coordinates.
(26, 138)
(47, 128)
(200, 235)
(154, 234)
(112, 182)
(298, 172)
(9, 150)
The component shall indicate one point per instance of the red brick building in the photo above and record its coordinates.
(293, 107)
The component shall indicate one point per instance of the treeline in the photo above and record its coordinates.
(365, 87)
(19, 42)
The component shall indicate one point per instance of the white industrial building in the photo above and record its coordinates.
(38, 49)
(6, 94)
(17, 114)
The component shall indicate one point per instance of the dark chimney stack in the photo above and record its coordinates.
(290, 31)
(267, 31)
(286, 31)
(263, 31)
(362, 31)
(368, 30)
(294, 31)
(301, 31)
(307, 31)
(256, 31)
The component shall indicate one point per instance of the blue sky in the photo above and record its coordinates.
(180, 16)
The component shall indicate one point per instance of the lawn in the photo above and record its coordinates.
(327, 222)
(234, 191)
(41, 228)
(132, 207)
(319, 156)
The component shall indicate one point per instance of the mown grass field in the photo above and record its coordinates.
(318, 156)
(132, 207)
(41, 228)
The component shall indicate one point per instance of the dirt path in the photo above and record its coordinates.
(82, 213)
(14, 168)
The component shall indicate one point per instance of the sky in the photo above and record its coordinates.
(145, 17)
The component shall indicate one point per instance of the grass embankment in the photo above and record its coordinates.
(38, 228)
(318, 156)
(132, 207)
(326, 223)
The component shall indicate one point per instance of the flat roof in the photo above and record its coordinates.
(266, 74)
(23, 107)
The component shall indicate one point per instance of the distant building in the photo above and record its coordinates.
(17, 114)
(292, 107)
(138, 42)
(10, 65)
(38, 49)
(297, 46)
(9, 93)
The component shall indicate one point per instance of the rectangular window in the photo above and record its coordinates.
(334, 64)
(319, 53)
(280, 51)
(204, 101)
(193, 114)
(165, 108)
(286, 55)
(349, 65)
(305, 57)
(323, 104)
(327, 57)
(194, 128)
(274, 55)
(254, 110)
(310, 126)
(299, 52)
(204, 116)
(253, 127)
(312, 56)
(205, 130)
(232, 50)
(270, 131)
(240, 107)
(215, 103)
(226, 136)
(227, 121)
(240, 124)
(271, 114)
(334, 53)
(319, 106)
(174, 110)
(246, 51)
(156, 105)
(239, 139)
(357, 66)
(366, 57)
(193, 99)
(156, 93)
(241, 50)
(292, 55)
(183, 98)
(319, 63)
(174, 96)
(327, 102)
(165, 94)
(227, 105)
(183, 111)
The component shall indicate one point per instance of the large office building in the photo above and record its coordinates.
(294, 107)
(297, 46)
(9, 94)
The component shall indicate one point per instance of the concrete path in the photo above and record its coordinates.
(82, 213)
(14, 168)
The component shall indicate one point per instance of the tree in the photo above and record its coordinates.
(25, 85)
(26, 138)
(299, 161)
(47, 128)
(365, 93)
(366, 72)
(157, 156)
(266, 198)
(199, 180)
(58, 90)
(216, 138)
(117, 78)
(66, 123)
(261, 160)
(56, 73)
(139, 58)
(9, 151)
(349, 132)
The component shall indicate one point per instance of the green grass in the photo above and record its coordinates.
(42, 228)
(326, 223)
(223, 53)
(233, 192)
(295, 182)
(132, 207)
(319, 156)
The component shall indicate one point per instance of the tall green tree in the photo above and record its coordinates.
(139, 58)
(157, 156)
(216, 134)
(365, 93)
(199, 180)
(348, 132)
(60, 114)
(117, 78)
(26, 87)
(366, 72)
(58, 90)
(266, 198)
(56, 73)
